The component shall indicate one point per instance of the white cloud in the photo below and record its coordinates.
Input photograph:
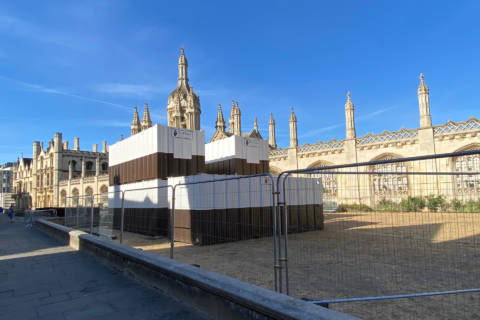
(37, 88)
(315, 132)
(128, 89)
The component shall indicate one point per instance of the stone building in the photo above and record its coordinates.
(6, 177)
(57, 172)
(234, 125)
(146, 123)
(183, 106)
(427, 139)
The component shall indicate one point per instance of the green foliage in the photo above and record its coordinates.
(412, 204)
(435, 202)
(353, 208)
(387, 205)
(472, 206)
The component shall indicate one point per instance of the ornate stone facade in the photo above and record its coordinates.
(425, 140)
(183, 106)
(57, 172)
(234, 125)
(136, 126)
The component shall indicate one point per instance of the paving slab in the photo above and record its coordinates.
(44, 279)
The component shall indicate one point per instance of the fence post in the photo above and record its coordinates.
(91, 219)
(285, 228)
(172, 222)
(274, 224)
(65, 213)
(122, 216)
(78, 201)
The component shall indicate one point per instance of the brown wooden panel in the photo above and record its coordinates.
(182, 167)
(200, 164)
(246, 167)
(302, 218)
(215, 168)
(311, 217)
(255, 222)
(319, 217)
(154, 166)
(192, 166)
(239, 166)
(164, 165)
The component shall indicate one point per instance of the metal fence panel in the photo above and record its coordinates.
(398, 229)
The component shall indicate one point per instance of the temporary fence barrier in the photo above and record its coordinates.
(32, 215)
(402, 243)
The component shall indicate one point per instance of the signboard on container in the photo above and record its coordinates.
(254, 143)
(182, 134)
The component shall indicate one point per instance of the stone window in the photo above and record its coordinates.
(89, 165)
(104, 166)
(395, 182)
(467, 164)
(329, 180)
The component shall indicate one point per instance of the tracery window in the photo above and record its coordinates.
(104, 166)
(395, 182)
(329, 180)
(470, 166)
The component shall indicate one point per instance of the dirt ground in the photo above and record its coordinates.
(360, 255)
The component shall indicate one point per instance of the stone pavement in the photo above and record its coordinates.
(41, 278)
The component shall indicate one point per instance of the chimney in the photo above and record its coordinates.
(65, 145)
(95, 147)
(76, 144)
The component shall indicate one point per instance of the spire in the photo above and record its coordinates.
(146, 121)
(231, 119)
(121, 137)
(424, 104)
(220, 125)
(293, 117)
(255, 124)
(293, 130)
(238, 121)
(183, 68)
(135, 127)
(271, 126)
(350, 118)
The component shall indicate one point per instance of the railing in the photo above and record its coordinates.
(386, 136)
(454, 127)
(278, 152)
(333, 144)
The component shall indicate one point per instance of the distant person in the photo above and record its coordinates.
(11, 212)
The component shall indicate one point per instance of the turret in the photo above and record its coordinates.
(76, 144)
(255, 124)
(424, 104)
(271, 126)
(220, 124)
(146, 121)
(350, 118)
(293, 130)
(104, 147)
(135, 127)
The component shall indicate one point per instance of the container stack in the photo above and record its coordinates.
(228, 211)
(237, 155)
(145, 208)
(157, 153)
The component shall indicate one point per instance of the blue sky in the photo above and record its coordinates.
(79, 67)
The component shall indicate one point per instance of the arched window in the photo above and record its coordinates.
(41, 162)
(51, 160)
(63, 196)
(89, 165)
(467, 182)
(329, 180)
(103, 189)
(104, 166)
(395, 182)
(88, 191)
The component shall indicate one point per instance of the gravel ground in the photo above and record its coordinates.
(360, 255)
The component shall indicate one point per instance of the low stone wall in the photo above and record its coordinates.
(217, 296)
